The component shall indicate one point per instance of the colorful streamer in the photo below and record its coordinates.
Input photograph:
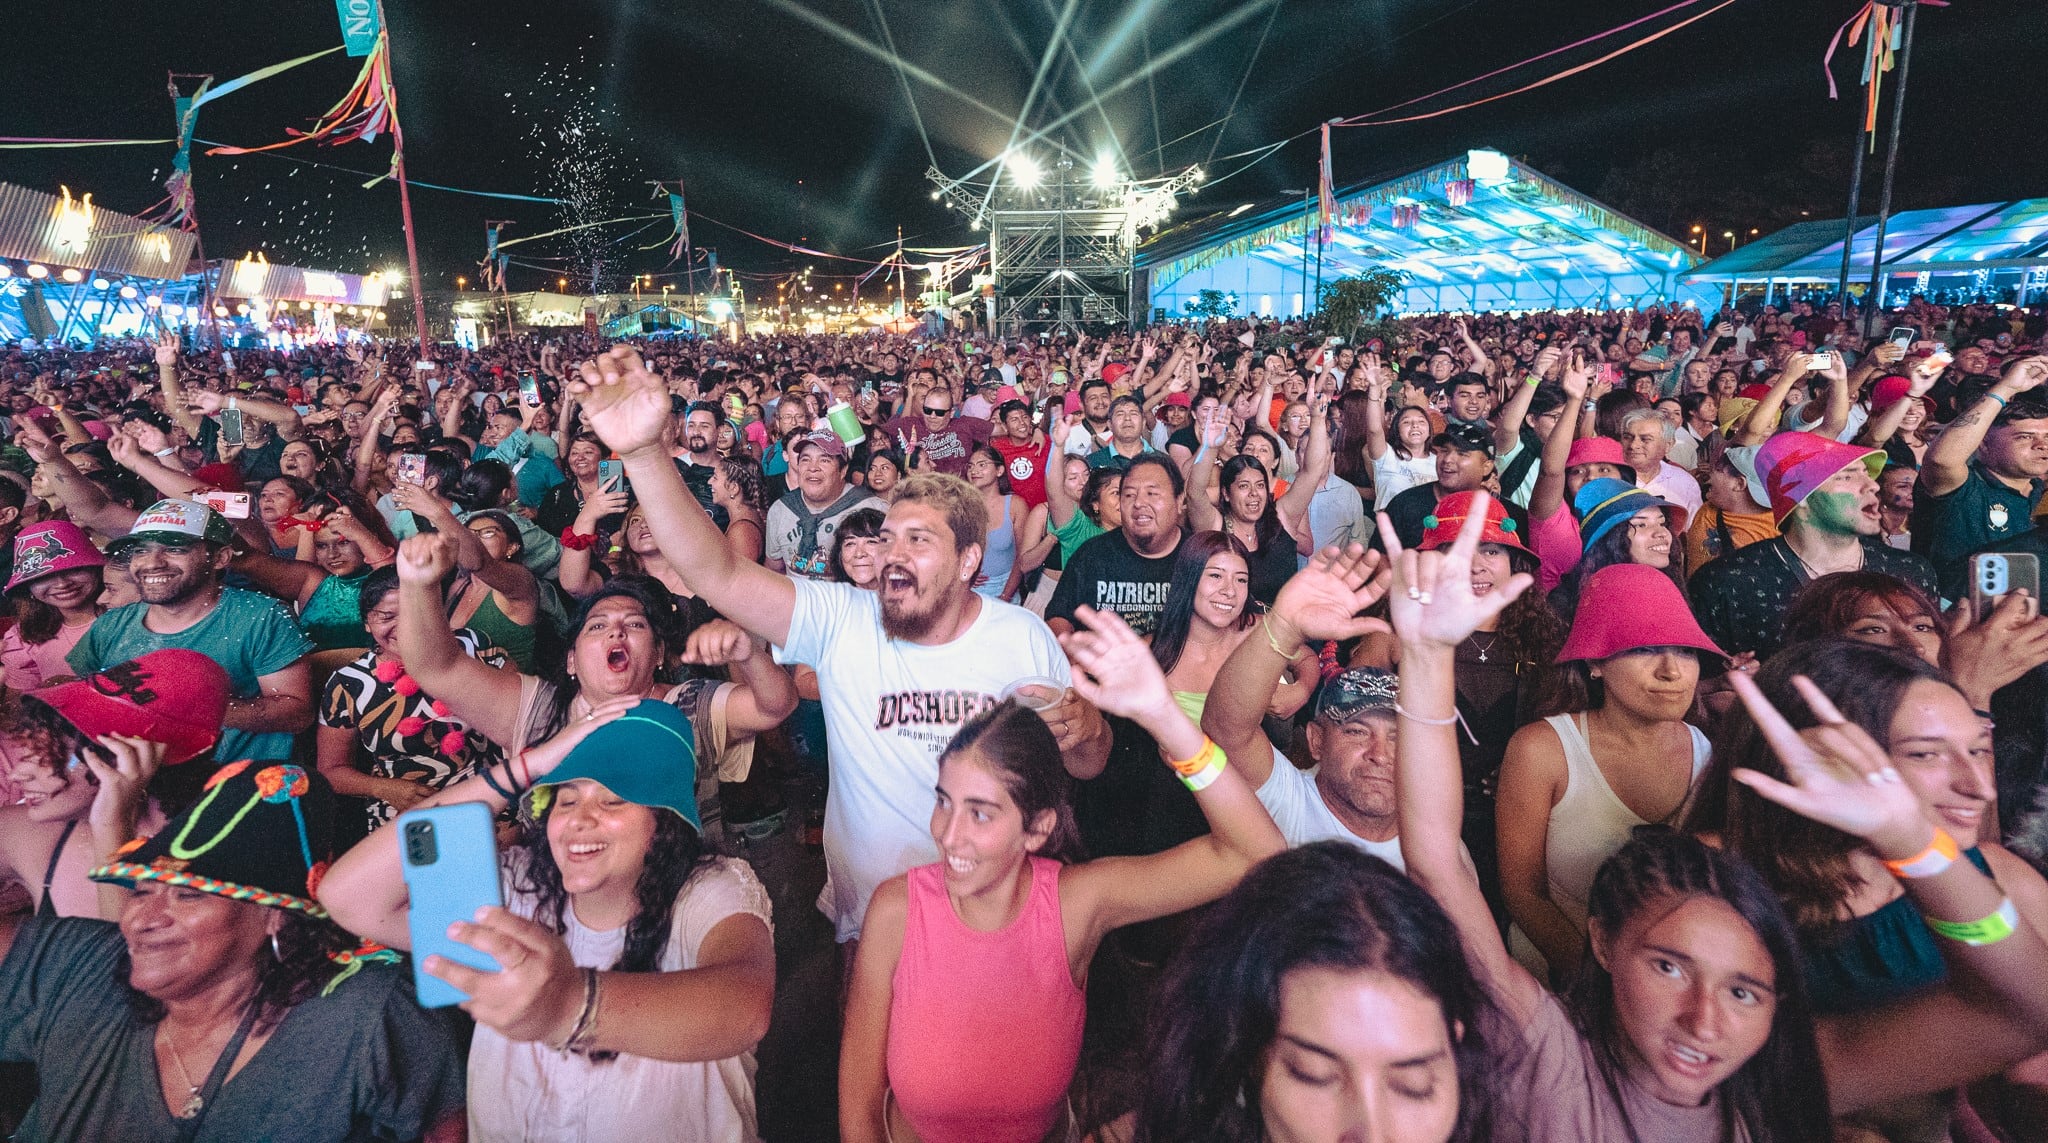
(1887, 36)
(31, 142)
(363, 114)
(1326, 193)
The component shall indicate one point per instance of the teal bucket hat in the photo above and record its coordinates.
(648, 756)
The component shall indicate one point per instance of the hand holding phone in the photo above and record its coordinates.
(450, 863)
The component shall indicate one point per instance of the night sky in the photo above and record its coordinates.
(783, 123)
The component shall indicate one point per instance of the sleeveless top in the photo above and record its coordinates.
(333, 615)
(1590, 823)
(984, 1028)
(500, 629)
(998, 556)
(1873, 960)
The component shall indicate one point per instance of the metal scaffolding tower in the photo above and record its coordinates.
(1061, 249)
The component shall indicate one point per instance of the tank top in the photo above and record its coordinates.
(998, 556)
(1870, 961)
(1590, 823)
(499, 628)
(984, 1028)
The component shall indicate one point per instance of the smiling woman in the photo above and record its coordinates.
(223, 986)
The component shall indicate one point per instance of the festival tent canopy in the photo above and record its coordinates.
(1979, 240)
(1478, 232)
(65, 232)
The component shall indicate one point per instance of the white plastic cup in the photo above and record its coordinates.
(1036, 692)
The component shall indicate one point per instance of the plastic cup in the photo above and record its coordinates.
(1036, 692)
(845, 423)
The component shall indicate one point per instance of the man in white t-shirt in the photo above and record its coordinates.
(899, 669)
(1349, 794)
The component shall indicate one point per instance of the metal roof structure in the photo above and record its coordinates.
(1944, 240)
(1478, 232)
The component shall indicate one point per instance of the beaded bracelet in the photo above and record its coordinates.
(2002, 923)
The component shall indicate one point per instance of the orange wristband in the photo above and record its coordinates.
(1939, 855)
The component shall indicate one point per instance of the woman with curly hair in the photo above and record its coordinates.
(637, 966)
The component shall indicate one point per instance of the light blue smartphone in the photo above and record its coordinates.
(450, 858)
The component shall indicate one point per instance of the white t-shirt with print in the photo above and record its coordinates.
(890, 708)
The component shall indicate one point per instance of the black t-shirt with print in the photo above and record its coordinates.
(1108, 575)
(1740, 598)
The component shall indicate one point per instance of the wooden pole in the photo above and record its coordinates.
(412, 250)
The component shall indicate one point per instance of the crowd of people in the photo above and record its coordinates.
(1615, 726)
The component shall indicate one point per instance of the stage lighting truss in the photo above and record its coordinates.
(1061, 246)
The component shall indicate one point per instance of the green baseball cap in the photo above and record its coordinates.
(647, 756)
(175, 522)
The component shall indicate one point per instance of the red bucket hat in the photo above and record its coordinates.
(1623, 607)
(1793, 465)
(1441, 527)
(173, 696)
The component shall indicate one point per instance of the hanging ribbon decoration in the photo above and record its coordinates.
(1886, 36)
(180, 208)
(362, 114)
(1326, 192)
(678, 241)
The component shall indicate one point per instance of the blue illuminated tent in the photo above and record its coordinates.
(1983, 250)
(1480, 232)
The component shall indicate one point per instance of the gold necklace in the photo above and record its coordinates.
(194, 1103)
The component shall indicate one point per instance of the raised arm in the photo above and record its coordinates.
(1947, 464)
(1114, 669)
(1762, 421)
(174, 389)
(1205, 514)
(763, 694)
(508, 578)
(627, 407)
(1548, 496)
(1509, 430)
(1433, 610)
(207, 403)
(1315, 464)
(577, 572)
(87, 503)
(483, 696)
(1376, 384)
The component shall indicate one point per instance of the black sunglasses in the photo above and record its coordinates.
(936, 412)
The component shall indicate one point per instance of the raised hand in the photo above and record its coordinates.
(204, 402)
(2025, 373)
(1840, 776)
(167, 349)
(1113, 668)
(426, 558)
(625, 405)
(124, 782)
(1431, 601)
(1324, 599)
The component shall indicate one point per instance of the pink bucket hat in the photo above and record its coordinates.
(1595, 450)
(1623, 607)
(49, 548)
(1793, 465)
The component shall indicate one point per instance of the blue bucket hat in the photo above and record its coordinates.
(647, 756)
(1601, 504)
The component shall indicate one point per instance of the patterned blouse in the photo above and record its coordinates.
(357, 700)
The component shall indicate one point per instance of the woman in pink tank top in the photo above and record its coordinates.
(963, 1021)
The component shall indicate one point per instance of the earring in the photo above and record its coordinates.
(275, 952)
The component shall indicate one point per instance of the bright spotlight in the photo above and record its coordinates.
(6, 270)
(242, 308)
(220, 311)
(101, 284)
(153, 301)
(1023, 171)
(174, 310)
(1484, 165)
(38, 270)
(73, 275)
(1104, 174)
(129, 292)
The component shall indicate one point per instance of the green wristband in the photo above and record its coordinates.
(1989, 931)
